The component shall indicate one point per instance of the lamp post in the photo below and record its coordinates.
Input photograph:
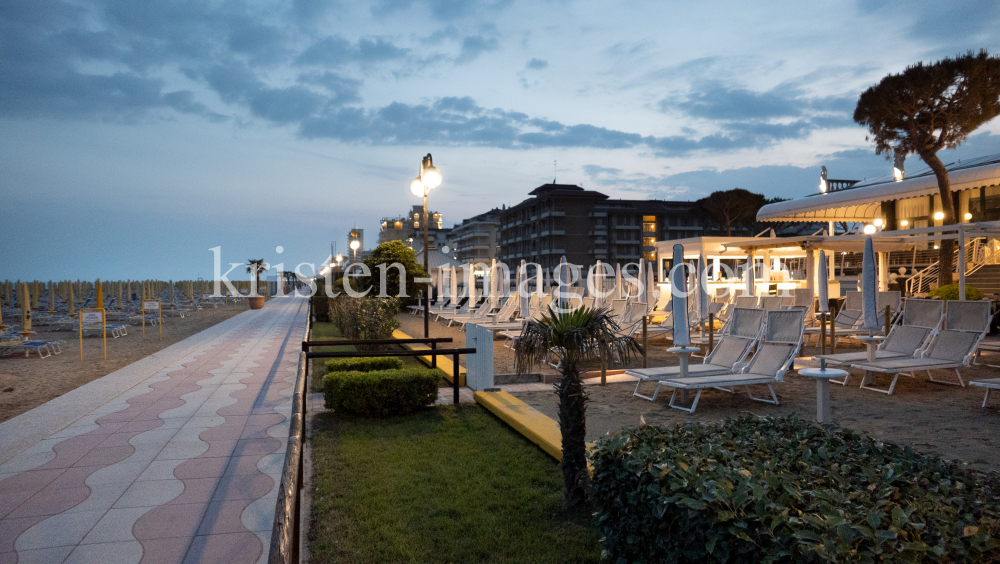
(429, 177)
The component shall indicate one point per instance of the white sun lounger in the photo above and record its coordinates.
(732, 349)
(954, 347)
(919, 324)
(990, 385)
(775, 354)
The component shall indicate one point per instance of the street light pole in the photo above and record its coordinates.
(430, 177)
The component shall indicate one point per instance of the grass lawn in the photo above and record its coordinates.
(443, 485)
(328, 332)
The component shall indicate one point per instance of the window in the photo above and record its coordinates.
(649, 227)
(648, 241)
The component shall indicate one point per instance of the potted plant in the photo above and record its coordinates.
(255, 267)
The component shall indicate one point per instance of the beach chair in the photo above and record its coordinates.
(954, 347)
(780, 343)
(882, 299)
(732, 349)
(770, 303)
(919, 323)
(505, 314)
(460, 307)
(479, 313)
(990, 385)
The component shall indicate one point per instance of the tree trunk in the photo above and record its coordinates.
(573, 424)
(947, 251)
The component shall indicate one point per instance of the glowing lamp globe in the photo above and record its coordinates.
(417, 187)
(968, 216)
(431, 177)
(939, 215)
(870, 229)
(355, 244)
(878, 222)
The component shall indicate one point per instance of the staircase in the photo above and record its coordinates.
(986, 278)
(978, 256)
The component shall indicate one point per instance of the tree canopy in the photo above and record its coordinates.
(728, 208)
(929, 107)
(395, 252)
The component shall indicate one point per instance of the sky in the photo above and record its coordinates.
(137, 135)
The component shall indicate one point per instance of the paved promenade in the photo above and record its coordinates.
(175, 458)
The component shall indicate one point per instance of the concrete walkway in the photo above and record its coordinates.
(175, 458)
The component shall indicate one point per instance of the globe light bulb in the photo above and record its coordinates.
(968, 216)
(417, 187)
(904, 223)
(939, 215)
(870, 229)
(431, 176)
(878, 222)
(355, 244)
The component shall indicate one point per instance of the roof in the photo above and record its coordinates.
(565, 190)
(436, 259)
(863, 201)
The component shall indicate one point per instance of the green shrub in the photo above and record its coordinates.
(783, 490)
(382, 392)
(364, 364)
(320, 305)
(365, 318)
(950, 292)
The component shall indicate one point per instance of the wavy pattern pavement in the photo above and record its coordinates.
(182, 467)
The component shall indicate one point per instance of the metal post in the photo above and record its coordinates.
(454, 377)
(888, 323)
(711, 332)
(645, 343)
(427, 290)
(604, 365)
(434, 358)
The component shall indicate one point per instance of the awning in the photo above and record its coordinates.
(863, 201)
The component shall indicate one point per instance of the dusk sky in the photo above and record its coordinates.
(136, 135)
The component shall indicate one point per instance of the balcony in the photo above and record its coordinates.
(553, 232)
(627, 227)
(552, 252)
(597, 214)
(552, 214)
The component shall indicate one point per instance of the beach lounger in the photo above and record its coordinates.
(954, 347)
(919, 323)
(990, 385)
(778, 347)
(729, 353)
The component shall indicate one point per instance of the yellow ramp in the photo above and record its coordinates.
(444, 363)
(533, 424)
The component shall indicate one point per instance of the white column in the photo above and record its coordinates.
(883, 272)
(811, 269)
(716, 269)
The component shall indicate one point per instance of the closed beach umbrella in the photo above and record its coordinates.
(640, 278)
(824, 287)
(678, 287)
(99, 289)
(869, 286)
(25, 300)
(172, 304)
(522, 289)
(52, 297)
(650, 288)
(618, 281)
(70, 303)
(702, 282)
(453, 284)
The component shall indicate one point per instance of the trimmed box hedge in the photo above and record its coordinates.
(784, 490)
(364, 364)
(381, 392)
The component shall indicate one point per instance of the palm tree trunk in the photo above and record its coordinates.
(573, 424)
(947, 251)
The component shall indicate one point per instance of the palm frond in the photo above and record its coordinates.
(575, 336)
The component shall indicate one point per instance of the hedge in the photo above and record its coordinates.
(784, 490)
(382, 392)
(364, 364)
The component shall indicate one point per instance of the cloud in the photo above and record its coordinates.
(537, 64)
(442, 10)
(950, 26)
(335, 51)
(475, 45)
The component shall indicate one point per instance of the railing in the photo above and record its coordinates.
(976, 253)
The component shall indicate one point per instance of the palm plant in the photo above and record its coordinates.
(255, 267)
(575, 336)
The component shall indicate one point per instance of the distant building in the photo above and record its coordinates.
(356, 234)
(475, 239)
(586, 226)
(409, 230)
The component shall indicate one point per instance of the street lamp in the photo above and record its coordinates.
(354, 247)
(429, 177)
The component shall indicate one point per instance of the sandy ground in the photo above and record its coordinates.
(934, 418)
(29, 382)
